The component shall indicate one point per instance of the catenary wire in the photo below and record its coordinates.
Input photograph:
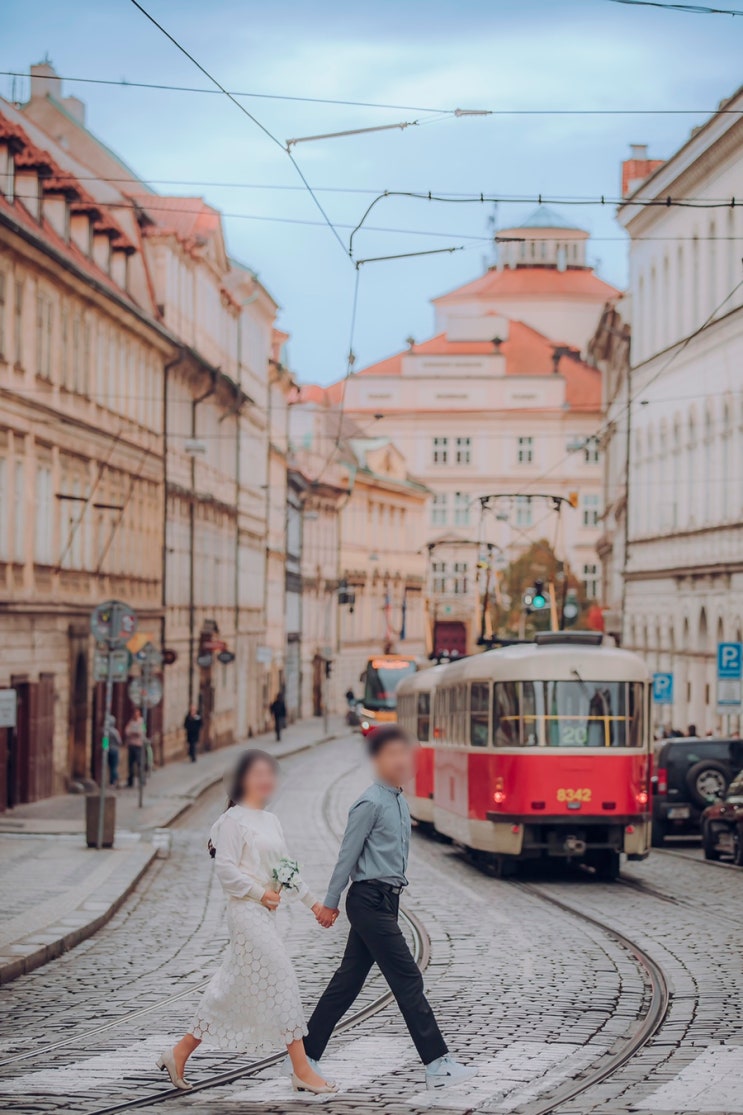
(161, 86)
(693, 9)
(231, 97)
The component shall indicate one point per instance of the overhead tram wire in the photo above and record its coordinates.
(693, 9)
(163, 87)
(231, 97)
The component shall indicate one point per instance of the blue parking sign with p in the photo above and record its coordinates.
(663, 689)
(730, 660)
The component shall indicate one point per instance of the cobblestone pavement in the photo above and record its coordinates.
(529, 992)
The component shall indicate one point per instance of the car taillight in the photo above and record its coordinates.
(662, 784)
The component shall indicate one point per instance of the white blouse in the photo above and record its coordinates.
(250, 843)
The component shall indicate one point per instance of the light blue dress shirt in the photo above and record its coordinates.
(376, 842)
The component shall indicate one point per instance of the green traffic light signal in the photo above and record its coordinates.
(538, 600)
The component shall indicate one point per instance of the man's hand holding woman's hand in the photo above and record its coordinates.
(325, 916)
(271, 899)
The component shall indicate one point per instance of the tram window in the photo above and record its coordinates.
(424, 717)
(479, 714)
(506, 715)
(529, 721)
(586, 714)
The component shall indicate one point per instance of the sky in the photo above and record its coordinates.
(441, 54)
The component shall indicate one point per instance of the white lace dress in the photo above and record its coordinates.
(252, 1002)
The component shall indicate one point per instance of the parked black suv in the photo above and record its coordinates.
(688, 774)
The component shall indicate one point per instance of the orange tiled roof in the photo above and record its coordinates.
(526, 351)
(517, 282)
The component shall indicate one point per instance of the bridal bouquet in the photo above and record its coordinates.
(286, 874)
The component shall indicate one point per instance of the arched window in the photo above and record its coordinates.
(639, 338)
(665, 312)
(653, 314)
(694, 318)
(732, 255)
(680, 294)
(660, 499)
(649, 489)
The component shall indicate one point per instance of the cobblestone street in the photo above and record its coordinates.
(533, 994)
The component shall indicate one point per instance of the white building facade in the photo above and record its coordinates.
(499, 402)
(683, 565)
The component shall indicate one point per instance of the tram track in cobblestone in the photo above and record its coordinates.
(659, 999)
(421, 948)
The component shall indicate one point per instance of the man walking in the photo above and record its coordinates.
(134, 739)
(192, 724)
(278, 712)
(374, 856)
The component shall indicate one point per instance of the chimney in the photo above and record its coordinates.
(76, 108)
(637, 168)
(44, 79)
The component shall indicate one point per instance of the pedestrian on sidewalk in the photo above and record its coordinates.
(278, 712)
(114, 752)
(253, 999)
(192, 724)
(134, 739)
(374, 856)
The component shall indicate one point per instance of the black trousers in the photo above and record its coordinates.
(193, 746)
(376, 938)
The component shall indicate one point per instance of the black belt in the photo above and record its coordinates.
(391, 888)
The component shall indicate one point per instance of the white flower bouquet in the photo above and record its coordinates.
(286, 874)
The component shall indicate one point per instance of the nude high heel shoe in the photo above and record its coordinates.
(322, 1090)
(166, 1062)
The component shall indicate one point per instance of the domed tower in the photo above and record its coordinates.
(544, 239)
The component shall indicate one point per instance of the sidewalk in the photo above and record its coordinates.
(57, 891)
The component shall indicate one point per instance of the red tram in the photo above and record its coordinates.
(535, 751)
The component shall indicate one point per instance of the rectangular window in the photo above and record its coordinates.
(591, 580)
(19, 514)
(438, 570)
(3, 303)
(440, 450)
(43, 517)
(3, 509)
(423, 719)
(591, 451)
(591, 507)
(461, 509)
(524, 511)
(464, 451)
(525, 450)
(18, 324)
(460, 582)
(439, 509)
(479, 714)
(44, 326)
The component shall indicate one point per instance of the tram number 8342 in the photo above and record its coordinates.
(564, 794)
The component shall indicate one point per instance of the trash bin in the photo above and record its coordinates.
(92, 807)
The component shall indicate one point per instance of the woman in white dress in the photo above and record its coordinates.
(252, 1002)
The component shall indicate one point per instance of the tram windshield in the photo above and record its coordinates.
(383, 675)
(575, 713)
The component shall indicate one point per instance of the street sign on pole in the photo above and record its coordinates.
(116, 660)
(145, 693)
(8, 707)
(113, 622)
(729, 676)
(663, 689)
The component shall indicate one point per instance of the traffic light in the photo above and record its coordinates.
(328, 667)
(534, 598)
(571, 608)
(538, 599)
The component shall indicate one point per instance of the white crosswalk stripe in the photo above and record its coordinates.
(711, 1082)
(92, 1073)
(353, 1067)
(513, 1076)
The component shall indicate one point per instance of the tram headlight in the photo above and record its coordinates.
(499, 793)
